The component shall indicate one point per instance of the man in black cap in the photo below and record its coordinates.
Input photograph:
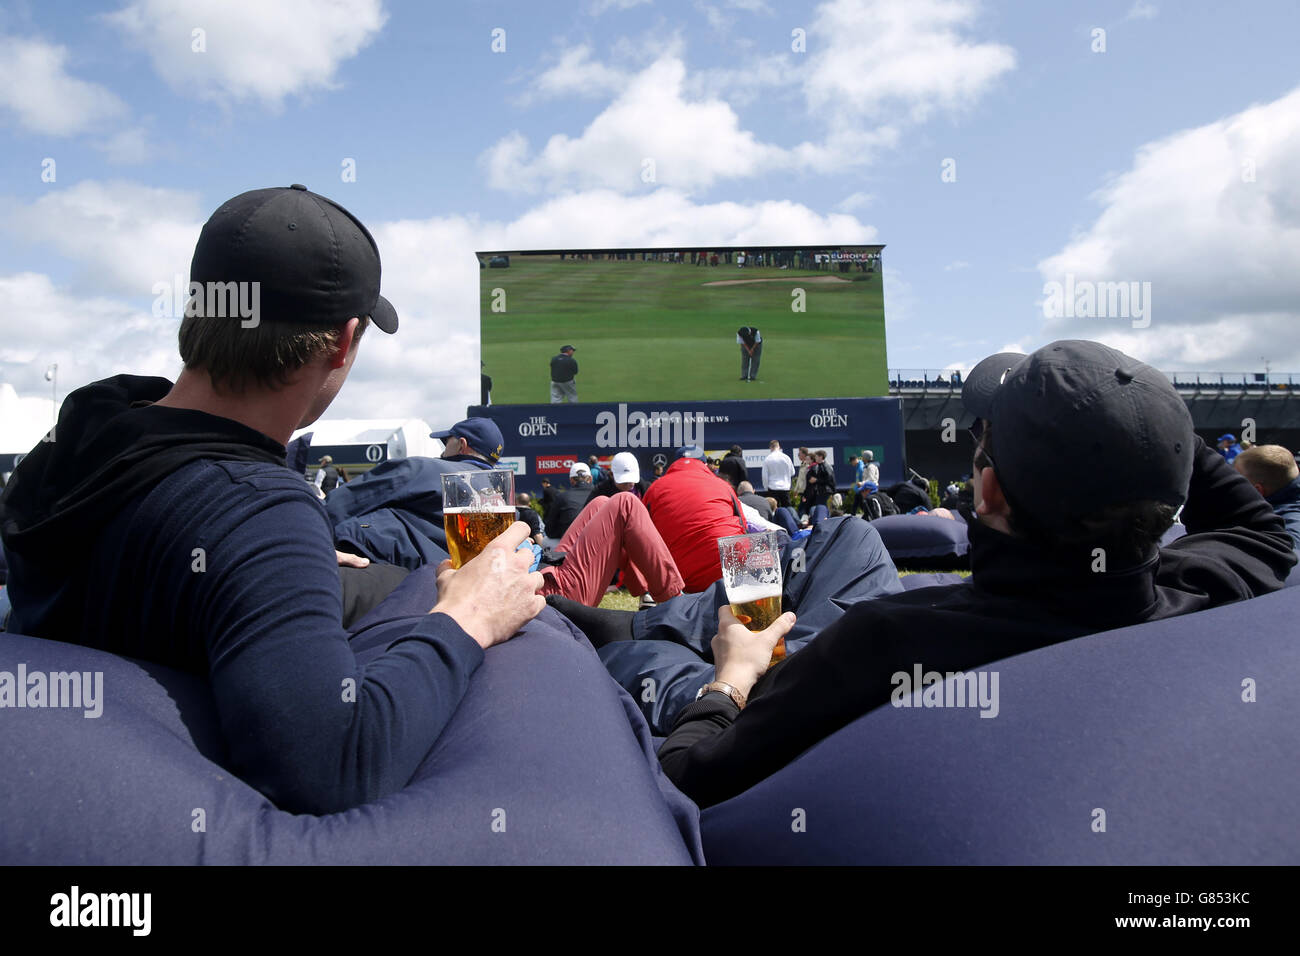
(563, 369)
(1050, 561)
(164, 524)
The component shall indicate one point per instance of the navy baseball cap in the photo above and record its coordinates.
(690, 451)
(1057, 412)
(314, 261)
(1226, 436)
(481, 433)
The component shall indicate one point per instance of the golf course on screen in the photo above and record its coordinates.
(655, 330)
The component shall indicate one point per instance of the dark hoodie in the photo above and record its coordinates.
(179, 537)
(110, 445)
(1018, 598)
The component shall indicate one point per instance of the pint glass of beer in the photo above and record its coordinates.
(751, 573)
(476, 507)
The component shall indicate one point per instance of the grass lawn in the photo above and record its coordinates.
(654, 331)
(620, 600)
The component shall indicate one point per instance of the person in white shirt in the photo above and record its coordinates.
(778, 469)
(870, 470)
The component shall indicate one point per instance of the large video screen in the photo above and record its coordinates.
(683, 324)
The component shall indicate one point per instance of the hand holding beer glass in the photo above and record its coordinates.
(477, 506)
(751, 573)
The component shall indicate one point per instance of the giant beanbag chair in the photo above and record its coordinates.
(1172, 742)
(546, 760)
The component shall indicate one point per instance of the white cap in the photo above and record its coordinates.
(625, 468)
(578, 468)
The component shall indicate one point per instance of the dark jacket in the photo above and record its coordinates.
(605, 488)
(1286, 503)
(759, 504)
(818, 492)
(1017, 599)
(565, 508)
(179, 537)
(563, 368)
(734, 470)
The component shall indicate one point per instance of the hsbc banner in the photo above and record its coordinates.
(550, 438)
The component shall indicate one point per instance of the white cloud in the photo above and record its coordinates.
(126, 236)
(1219, 251)
(956, 265)
(870, 58)
(254, 50)
(44, 97)
(654, 134)
(872, 68)
(577, 74)
(89, 337)
(691, 143)
(1142, 11)
(128, 147)
(600, 6)
(857, 200)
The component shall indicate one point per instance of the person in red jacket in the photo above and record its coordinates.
(692, 508)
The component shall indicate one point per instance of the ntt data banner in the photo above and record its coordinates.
(550, 438)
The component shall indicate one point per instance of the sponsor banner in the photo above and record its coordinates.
(516, 463)
(554, 436)
(555, 464)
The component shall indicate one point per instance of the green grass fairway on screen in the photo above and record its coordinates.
(665, 331)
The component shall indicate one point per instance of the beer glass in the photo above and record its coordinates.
(477, 506)
(751, 573)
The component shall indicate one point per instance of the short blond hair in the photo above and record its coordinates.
(1272, 467)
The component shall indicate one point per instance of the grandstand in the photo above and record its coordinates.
(1218, 401)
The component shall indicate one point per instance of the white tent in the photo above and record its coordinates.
(358, 441)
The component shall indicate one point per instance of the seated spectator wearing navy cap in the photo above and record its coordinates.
(475, 440)
(1228, 447)
(1050, 561)
(1273, 472)
(164, 524)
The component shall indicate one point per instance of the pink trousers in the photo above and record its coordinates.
(613, 534)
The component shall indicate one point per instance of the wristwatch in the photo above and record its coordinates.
(736, 696)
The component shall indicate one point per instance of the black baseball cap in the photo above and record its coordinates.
(314, 261)
(1078, 426)
(567, 348)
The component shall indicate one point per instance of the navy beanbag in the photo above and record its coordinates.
(1150, 732)
(925, 542)
(546, 760)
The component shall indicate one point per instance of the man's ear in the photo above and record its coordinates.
(338, 355)
(992, 500)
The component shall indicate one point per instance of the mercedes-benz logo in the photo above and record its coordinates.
(660, 459)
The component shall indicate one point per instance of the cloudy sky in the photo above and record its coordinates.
(995, 148)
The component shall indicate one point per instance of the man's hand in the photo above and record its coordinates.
(741, 656)
(346, 560)
(493, 595)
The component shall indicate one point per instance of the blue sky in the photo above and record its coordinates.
(1171, 158)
